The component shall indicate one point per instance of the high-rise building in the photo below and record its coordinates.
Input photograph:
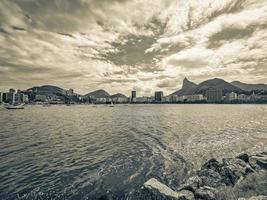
(214, 95)
(158, 96)
(70, 92)
(1, 97)
(133, 94)
(231, 96)
(11, 90)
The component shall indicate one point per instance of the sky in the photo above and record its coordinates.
(124, 45)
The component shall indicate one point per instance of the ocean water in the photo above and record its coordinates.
(86, 152)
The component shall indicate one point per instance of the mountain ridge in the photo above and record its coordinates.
(217, 83)
(118, 95)
(249, 87)
(98, 94)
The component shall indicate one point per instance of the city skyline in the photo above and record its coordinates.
(238, 84)
(131, 45)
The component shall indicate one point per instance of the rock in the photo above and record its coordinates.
(192, 184)
(211, 164)
(243, 157)
(234, 169)
(210, 178)
(186, 195)
(254, 198)
(207, 193)
(153, 189)
(259, 161)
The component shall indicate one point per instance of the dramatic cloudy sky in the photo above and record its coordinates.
(120, 45)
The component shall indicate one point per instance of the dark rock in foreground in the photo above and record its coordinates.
(212, 181)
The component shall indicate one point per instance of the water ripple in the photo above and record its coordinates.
(81, 152)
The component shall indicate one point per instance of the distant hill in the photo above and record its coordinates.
(98, 94)
(191, 88)
(118, 95)
(249, 87)
(47, 89)
(217, 84)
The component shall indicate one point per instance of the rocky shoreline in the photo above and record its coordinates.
(243, 177)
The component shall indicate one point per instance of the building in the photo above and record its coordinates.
(177, 99)
(70, 92)
(167, 99)
(1, 97)
(11, 90)
(214, 95)
(150, 99)
(158, 96)
(101, 100)
(140, 100)
(195, 98)
(4, 97)
(120, 100)
(231, 96)
(243, 98)
(10, 97)
(25, 98)
(40, 97)
(133, 95)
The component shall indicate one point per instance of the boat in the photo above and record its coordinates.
(111, 104)
(14, 106)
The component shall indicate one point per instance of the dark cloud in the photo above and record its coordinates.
(128, 42)
(232, 7)
(118, 80)
(230, 34)
(168, 83)
(131, 52)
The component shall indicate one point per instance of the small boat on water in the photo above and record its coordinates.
(111, 104)
(14, 106)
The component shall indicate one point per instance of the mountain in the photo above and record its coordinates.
(187, 88)
(188, 84)
(191, 88)
(47, 89)
(118, 95)
(98, 94)
(249, 87)
(217, 84)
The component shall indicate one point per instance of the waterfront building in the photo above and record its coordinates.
(150, 99)
(243, 97)
(11, 90)
(133, 96)
(231, 96)
(120, 100)
(158, 96)
(70, 92)
(101, 100)
(263, 97)
(176, 98)
(214, 95)
(1, 97)
(253, 96)
(4, 97)
(40, 97)
(140, 100)
(166, 99)
(10, 96)
(195, 98)
(18, 98)
(25, 98)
